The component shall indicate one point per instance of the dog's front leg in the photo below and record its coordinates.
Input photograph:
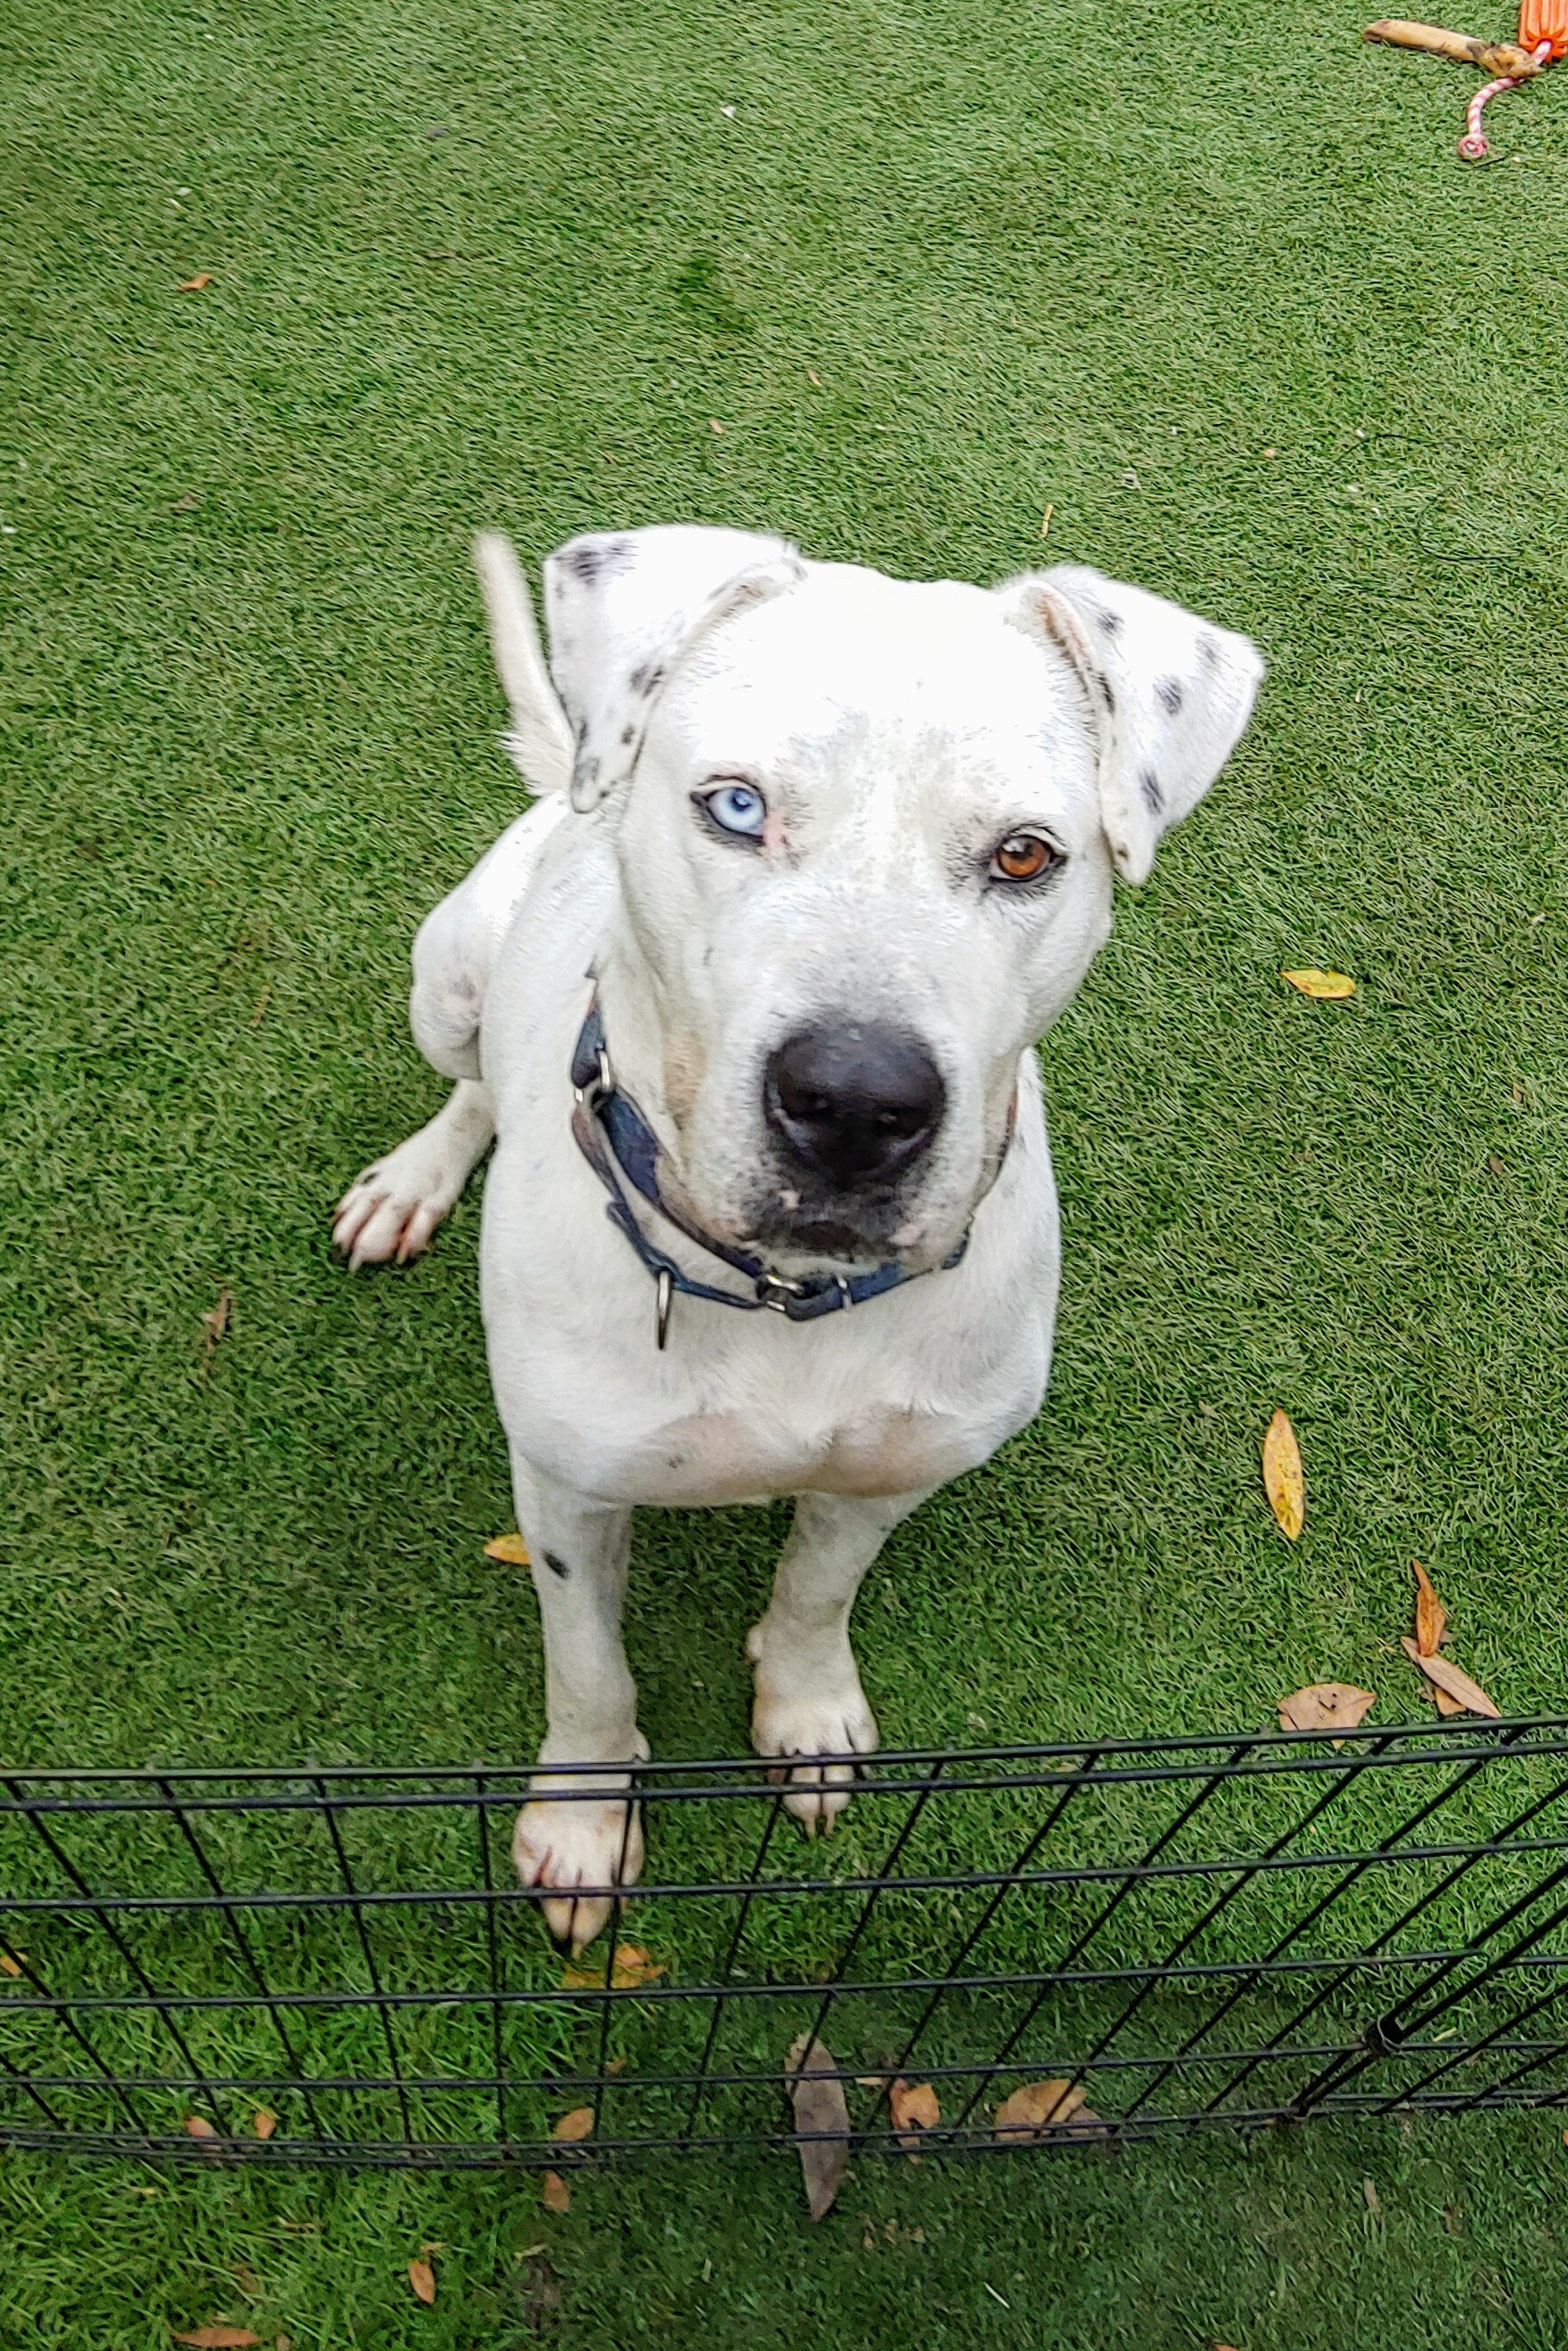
(571, 1832)
(809, 1699)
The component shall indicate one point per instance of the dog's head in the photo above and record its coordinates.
(866, 830)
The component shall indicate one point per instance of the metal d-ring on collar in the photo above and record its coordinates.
(622, 1148)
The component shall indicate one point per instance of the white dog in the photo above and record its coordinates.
(747, 1001)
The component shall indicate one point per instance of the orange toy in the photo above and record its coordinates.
(1542, 41)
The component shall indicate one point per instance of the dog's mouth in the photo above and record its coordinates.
(798, 1235)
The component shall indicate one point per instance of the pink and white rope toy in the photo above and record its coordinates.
(1473, 145)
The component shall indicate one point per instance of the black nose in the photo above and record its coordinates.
(854, 1104)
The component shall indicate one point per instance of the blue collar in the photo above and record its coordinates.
(622, 1148)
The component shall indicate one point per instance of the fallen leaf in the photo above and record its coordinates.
(617, 2064)
(246, 2278)
(263, 2123)
(218, 2338)
(199, 2127)
(1374, 2201)
(1444, 1703)
(1331, 985)
(183, 504)
(1472, 1699)
(574, 2126)
(194, 285)
(816, 378)
(631, 1967)
(511, 1548)
(1045, 520)
(556, 2195)
(1325, 1705)
(215, 1323)
(436, 2245)
(284, 2343)
(421, 2277)
(1037, 2107)
(821, 2121)
(1431, 1616)
(915, 2108)
(1498, 1167)
(1283, 1479)
(8, 1966)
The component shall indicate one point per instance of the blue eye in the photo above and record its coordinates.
(737, 807)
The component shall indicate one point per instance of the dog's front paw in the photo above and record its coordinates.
(393, 1208)
(571, 1834)
(803, 1720)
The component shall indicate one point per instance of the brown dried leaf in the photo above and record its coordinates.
(1325, 1705)
(1472, 1699)
(194, 285)
(1036, 2108)
(511, 1549)
(556, 2195)
(1444, 1703)
(200, 2128)
(215, 1323)
(915, 2108)
(421, 2277)
(1283, 1482)
(9, 1965)
(821, 2121)
(630, 1967)
(1431, 1616)
(218, 2338)
(574, 2126)
(263, 2123)
(1331, 987)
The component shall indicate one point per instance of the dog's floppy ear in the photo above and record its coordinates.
(1168, 696)
(539, 740)
(622, 608)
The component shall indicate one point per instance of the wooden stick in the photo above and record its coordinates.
(1495, 56)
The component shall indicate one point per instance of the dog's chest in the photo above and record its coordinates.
(750, 1456)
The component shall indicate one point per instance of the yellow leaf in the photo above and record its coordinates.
(575, 2126)
(1037, 2107)
(1283, 1479)
(509, 1549)
(8, 1966)
(1325, 1705)
(263, 2123)
(1332, 986)
(914, 2109)
(421, 2277)
(1431, 1616)
(556, 2195)
(194, 285)
(1472, 1699)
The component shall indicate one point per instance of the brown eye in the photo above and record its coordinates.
(1024, 857)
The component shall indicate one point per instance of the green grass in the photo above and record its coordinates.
(1209, 282)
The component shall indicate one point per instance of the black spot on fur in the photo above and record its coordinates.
(557, 1565)
(1169, 690)
(1107, 691)
(646, 677)
(626, 735)
(1154, 798)
(1110, 621)
(592, 560)
(587, 771)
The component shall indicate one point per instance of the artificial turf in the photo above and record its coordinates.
(1208, 282)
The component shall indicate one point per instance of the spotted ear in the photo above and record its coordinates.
(623, 608)
(1168, 695)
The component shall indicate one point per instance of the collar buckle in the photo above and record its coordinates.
(774, 1290)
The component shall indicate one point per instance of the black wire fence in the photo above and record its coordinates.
(335, 1965)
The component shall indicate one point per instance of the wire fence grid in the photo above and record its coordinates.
(1209, 1931)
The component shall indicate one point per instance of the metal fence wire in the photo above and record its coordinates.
(1224, 1931)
